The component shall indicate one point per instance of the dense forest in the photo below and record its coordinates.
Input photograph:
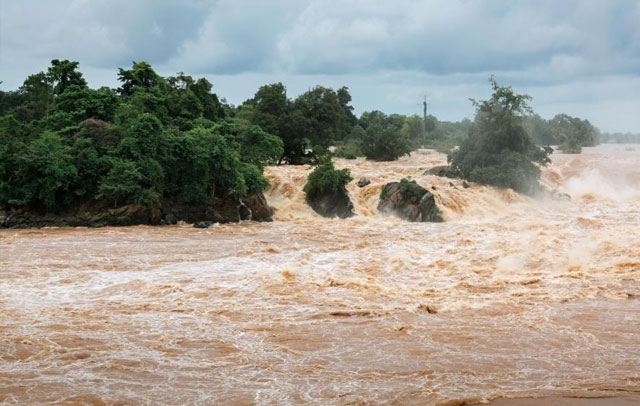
(157, 138)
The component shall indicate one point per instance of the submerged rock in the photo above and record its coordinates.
(203, 224)
(409, 201)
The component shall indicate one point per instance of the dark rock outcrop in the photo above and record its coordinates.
(440, 170)
(363, 182)
(98, 214)
(337, 204)
(409, 201)
(260, 209)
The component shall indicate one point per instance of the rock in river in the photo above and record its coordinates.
(409, 201)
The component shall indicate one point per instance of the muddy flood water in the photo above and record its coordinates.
(511, 297)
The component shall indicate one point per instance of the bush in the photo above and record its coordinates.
(253, 178)
(346, 152)
(326, 179)
(408, 188)
(570, 146)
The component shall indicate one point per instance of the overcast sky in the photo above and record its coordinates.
(580, 57)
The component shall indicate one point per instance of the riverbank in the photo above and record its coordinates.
(98, 214)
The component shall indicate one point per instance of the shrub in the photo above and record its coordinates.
(345, 152)
(326, 179)
(408, 188)
(570, 146)
(253, 178)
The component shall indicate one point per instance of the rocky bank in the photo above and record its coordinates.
(97, 214)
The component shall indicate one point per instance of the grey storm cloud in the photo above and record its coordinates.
(439, 37)
(100, 32)
(386, 52)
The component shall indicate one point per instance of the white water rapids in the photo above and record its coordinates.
(511, 296)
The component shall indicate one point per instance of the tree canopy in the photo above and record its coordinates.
(154, 138)
(497, 149)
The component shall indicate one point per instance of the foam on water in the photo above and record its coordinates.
(513, 295)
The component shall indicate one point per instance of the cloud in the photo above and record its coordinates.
(580, 56)
(100, 33)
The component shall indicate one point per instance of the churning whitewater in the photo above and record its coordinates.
(512, 296)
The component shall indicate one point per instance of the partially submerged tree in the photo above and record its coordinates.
(497, 150)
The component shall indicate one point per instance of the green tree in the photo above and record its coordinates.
(256, 146)
(38, 97)
(385, 143)
(574, 131)
(211, 107)
(90, 166)
(80, 103)
(268, 108)
(328, 119)
(413, 129)
(62, 74)
(140, 76)
(123, 184)
(497, 150)
(39, 174)
(540, 130)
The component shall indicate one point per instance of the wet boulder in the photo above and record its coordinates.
(326, 192)
(409, 201)
(440, 170)
(334, 204)
(169, 218)
(258, 207)
(363, 182)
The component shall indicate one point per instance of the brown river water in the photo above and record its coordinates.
(511, 297)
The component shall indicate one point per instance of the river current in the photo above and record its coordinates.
(512, 296)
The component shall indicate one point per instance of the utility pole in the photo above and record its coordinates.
(424, 118)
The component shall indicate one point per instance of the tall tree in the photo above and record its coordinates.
(141, 75)
(62, 74)
(498, 150)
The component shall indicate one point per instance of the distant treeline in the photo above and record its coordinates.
(620, 138)
(570, 133)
